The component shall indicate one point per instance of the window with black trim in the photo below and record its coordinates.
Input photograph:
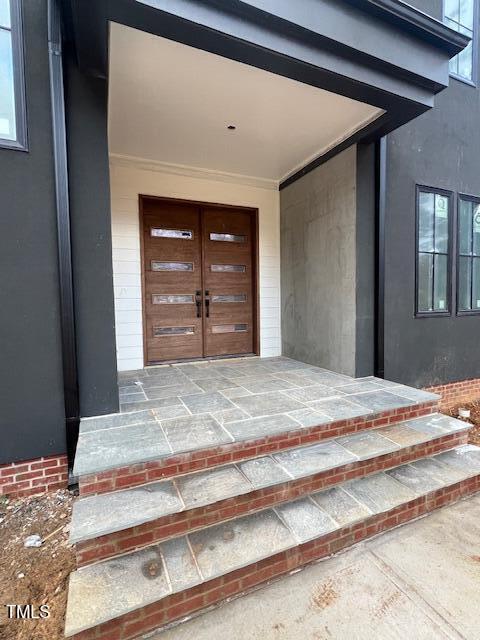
(460, 15)
(13, 130)
(433, 251)
(468, 270)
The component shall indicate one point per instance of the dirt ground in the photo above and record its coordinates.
(474, 436)
(39, 575)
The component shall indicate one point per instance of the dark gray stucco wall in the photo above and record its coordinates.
(32, 422)
(86, 112)
(438, 149)
(365, 261)
(318, 265)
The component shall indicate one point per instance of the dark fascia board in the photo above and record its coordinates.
(416, 22)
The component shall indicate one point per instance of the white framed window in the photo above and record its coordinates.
(13, 128)
(460, 15)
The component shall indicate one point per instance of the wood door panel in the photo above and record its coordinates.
(223, 331)
(176, 251)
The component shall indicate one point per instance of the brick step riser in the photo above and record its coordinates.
(137, 474)
(179, 605)
(155, 531)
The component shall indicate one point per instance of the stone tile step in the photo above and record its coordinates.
(188, 501)
(110, 445)
(143, 590)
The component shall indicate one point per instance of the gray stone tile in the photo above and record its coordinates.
(465, 458)
(264, 384)
(108, 512)
(194, 432)
(230, 415)
(264, 472)
(359, 387)
(166, 413)
(341, 506)
(328, 378)
(339, 408)
(379, 492)
(255, 428)
(110, 448)
(235, 392)
(417, 395)
(197, 371)
(380, 400)
(240, 542)
(128, 390)
(164, 378)
(291, 376)
(305, 461)
(242, 371)
(312, 393)
(415, 479)
(309, 418)
(150, 404)
(181, 567)
(206, 487)
(186, 388)
(215, 384)
(367, 445)
(403, 435)
(264, 404)
(380, 381)
(305, 519)
(436, 424)
(97, 593)
(115, 420)
(438, 470)
(285, 364)
(207, 402)
(132, 397)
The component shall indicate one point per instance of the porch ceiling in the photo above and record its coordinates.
(171, 103)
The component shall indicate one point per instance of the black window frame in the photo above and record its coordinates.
(448, 194)
(16, 30)
(476, 17)
(463, 312)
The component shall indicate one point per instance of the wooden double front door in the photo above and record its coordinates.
(198, 280)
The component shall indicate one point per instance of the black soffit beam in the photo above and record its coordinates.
(67, 317)
(225, 28)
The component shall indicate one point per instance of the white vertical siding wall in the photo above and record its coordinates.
(130, 179)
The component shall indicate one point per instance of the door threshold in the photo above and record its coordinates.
(233, 356)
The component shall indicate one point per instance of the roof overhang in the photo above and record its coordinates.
(383, 53)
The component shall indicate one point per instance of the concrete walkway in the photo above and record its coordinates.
(420, 581)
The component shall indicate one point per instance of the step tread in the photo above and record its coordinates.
(301, 397)
(102, 514)
(101, 592)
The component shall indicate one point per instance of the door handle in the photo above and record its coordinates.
(198, 302)
(207, 303)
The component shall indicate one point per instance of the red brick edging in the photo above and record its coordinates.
(454, 393)
(136, 474)
(214, 591)
(119, 542)
(31, 477)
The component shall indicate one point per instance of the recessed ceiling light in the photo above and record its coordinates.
(231, 127)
